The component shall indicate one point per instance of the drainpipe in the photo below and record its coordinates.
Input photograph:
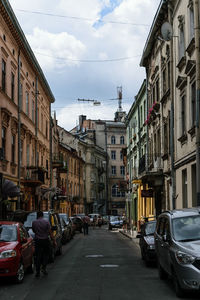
(50, 149)
(19, 95)
(197, 34)
(36, 120)
(173, 174)
(106, 144)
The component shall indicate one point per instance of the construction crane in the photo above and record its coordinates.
(119, 98)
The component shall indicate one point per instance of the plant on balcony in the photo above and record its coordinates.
(156, 106)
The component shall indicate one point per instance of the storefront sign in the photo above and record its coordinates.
(137, 181)
(147, 193)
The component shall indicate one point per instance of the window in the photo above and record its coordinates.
(113, 154)
(184, 188)
(122, 170)
(42, 122)
(193, 104)
(3, 78)
(27, 154)
(116, 192)
(113, 170)
(113, 140)
(21, 96)
(46, 129)
(191, 15)
(181, 37)
(3, 141)
(157, 92)
(164, 81)
(47, 167)
(33, 111)
(121, 155)
(27, 103)
(12, 86)
(183, 116)
(13, 139)
(122, 140)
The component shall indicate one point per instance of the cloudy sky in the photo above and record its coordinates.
(88, 48)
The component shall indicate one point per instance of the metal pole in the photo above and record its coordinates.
(197, 35)
(173, 174)
(19, 128)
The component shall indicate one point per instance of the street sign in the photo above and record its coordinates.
(147, 193)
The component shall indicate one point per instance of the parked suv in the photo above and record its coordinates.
(177, 244)
(54, 221)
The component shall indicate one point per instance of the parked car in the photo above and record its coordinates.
(147, 244)
(78, 222)
(177, 244)
(115, 222)
(73, 226)
(16, 250)
(55, 223)
(66, 228)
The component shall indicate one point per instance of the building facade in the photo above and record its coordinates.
(24, 115)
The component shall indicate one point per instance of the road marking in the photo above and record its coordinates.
(109, 266)
(94, 255)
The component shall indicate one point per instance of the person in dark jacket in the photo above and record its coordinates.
(42, 230)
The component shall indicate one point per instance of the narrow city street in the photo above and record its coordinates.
(103, 265)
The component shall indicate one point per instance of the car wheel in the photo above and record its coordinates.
(161, 272)
(30, 269)
(110, 227)
(178, 290)
(20, 273)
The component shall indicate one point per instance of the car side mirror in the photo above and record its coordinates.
(54, 227)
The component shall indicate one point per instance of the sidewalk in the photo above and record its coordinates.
(131, 234)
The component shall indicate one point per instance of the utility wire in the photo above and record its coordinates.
(87, 60)
(80, 18)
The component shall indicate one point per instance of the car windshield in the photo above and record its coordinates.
(186, 229)
(65, 218)
(115, 218)
(30, 218)
(150, 228)
(8, 233)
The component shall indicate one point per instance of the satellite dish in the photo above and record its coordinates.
(166, 31)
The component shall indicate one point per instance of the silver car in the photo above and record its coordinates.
(177, 244)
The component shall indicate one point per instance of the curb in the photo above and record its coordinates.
(135, 240)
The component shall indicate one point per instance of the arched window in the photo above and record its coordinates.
(113, 140)
(122, 140)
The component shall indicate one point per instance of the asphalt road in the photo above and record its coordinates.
(101, 266)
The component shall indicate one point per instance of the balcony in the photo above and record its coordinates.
(35, 176)
(59, 163)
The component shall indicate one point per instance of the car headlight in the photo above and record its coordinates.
(8, 254)
(184, 258)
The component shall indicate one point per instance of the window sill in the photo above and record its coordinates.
(191, 47)
(183, 139)
(182, 63)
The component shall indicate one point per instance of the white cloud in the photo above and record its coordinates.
(54, 47)
(79, 39)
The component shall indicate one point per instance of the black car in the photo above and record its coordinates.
(78, 222)
(147, 244)
(66, 228)
(55, 223)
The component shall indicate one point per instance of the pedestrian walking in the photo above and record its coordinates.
(99, 221)
(42, 230)
(86, 222)
(94, 221)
